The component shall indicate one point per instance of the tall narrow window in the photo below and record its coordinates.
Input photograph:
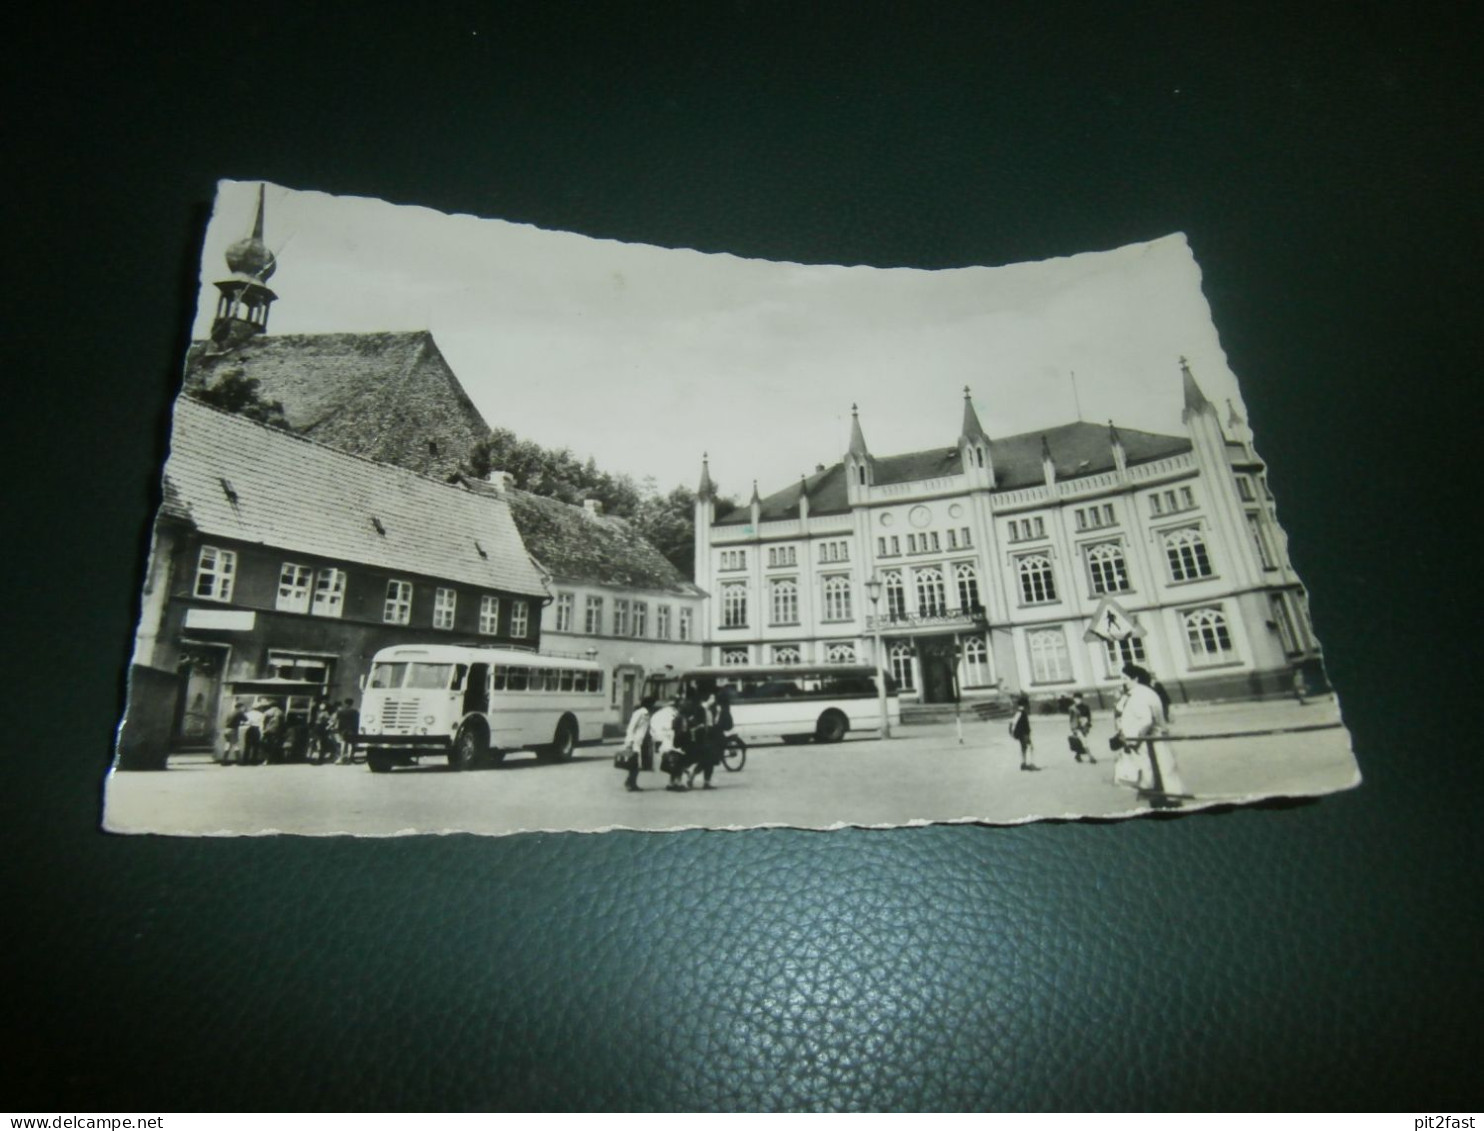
(900, 657)
(489, 616)
(216, 569)
(662, 621)
(1037, 582)
(683, 630)
(837, 598)
(1106, 567)
(520, 619)
(785, 602)
(620, 617)
(1260, 537)
(564, 612)
(444, 602)
(398, 606)
(592, 616)
(329, 593)
(1185, 550)
(896, 594)
(293, 588)
(967, 578)
(734, 606)
(932, 601)
(641, 618)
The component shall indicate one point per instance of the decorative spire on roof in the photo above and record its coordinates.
(972, 429)
(857, 437)
(1048, 465)
(756, 498)
(1195, 400)
(242, 306)
(707, 489)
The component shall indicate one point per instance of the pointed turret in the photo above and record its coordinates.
(857, 437)
(1195, 400)
(1048, 466)
(859, 467)
(756, 504)
(973, 447)
(706, 489)
(244, 299)
(803, 496)
(1120, 456)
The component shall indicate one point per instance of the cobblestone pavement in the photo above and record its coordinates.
(922, 774)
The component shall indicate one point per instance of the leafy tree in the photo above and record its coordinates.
(666, 521)
(233, 391)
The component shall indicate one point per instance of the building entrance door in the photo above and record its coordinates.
(937, 670)
(199, 708)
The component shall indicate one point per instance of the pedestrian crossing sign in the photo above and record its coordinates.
(1112, 622)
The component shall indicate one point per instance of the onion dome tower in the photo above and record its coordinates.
(244, 300)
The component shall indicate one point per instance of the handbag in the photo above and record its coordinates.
(670, 762)
(624, 758)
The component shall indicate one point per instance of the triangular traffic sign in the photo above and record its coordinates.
(1112, 622)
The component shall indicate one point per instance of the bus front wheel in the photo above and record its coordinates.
(832, 727)
(470, 749)
(378, 761)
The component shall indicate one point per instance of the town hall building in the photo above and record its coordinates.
(976, 571)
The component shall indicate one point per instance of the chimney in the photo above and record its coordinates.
(501, 481)
(593, 508)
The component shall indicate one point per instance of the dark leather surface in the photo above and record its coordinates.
(1318, 955)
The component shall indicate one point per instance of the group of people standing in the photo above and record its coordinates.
(260, 732)
(687, 735)
(1141, 719)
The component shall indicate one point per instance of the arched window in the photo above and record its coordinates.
(896, 595)
(931, 599)
(1129, 650)
(840, 654)
(733, 606)
(1037, 583)
(733, 656)
(1208, 635)
(785, 602)
(1108, 570)
(1186, 552)
(837, 598)
(901, 665)
(1050, 662)
(968, 586)
(786, 654)
(976, 663)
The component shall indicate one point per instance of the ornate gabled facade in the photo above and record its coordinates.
(994, 556)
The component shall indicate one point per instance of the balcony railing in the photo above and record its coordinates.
(972, 617)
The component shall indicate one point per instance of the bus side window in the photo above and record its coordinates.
(595, 681)
(500, 672)
(519, 679)
(566, 679)
(459, 672)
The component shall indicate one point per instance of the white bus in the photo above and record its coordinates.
(794, 702)
(472, 705)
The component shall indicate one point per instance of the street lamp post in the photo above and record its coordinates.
(873, 591)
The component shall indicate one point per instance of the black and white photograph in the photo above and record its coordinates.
(471, 526)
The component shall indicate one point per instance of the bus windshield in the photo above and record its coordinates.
(417, 677)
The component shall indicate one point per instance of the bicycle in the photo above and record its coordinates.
(733, 753)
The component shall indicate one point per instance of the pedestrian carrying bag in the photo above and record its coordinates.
(670, 762)
(624, 758)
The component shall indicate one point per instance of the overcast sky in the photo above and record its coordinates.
(645, 357)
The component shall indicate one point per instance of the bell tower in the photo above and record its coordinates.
(244, 299)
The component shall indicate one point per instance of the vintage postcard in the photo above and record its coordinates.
(469, 526)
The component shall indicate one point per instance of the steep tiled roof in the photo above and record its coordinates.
(1076, 449)
(578, 548)
(388, 396)
(235, 479)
